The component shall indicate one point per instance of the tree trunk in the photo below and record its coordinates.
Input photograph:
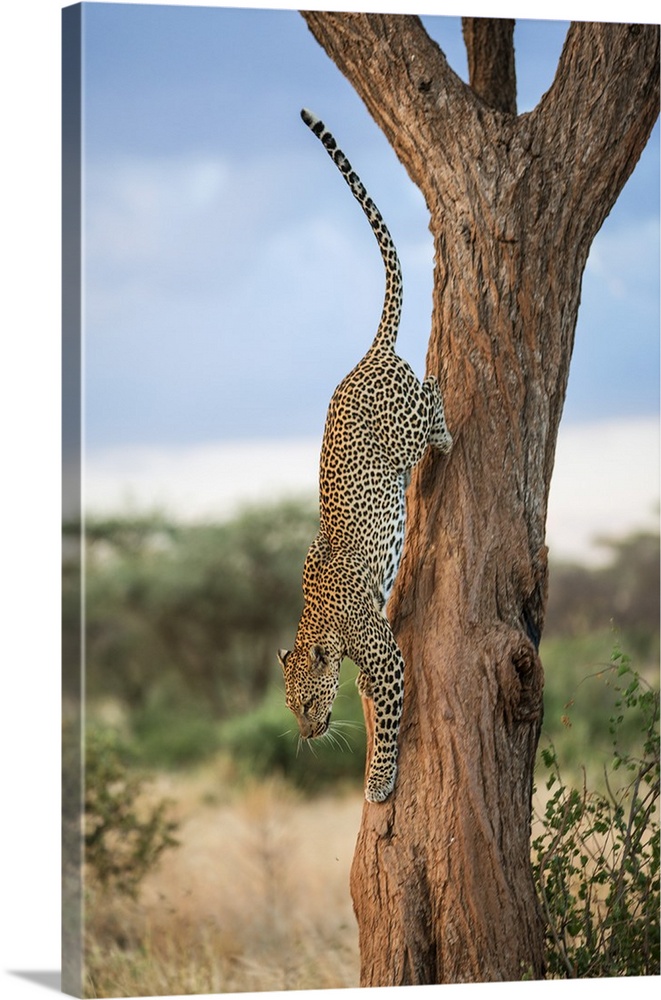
(441, 878)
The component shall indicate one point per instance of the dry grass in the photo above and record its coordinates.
(255, 898)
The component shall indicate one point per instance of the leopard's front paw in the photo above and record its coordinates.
(442, 440)
(378, 788)
(439, 435)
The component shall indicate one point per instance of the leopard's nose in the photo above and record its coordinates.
(305, 727)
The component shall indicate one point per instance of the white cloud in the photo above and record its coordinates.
(605, 484)
(203, 481)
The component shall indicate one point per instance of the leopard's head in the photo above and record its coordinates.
(312, 674)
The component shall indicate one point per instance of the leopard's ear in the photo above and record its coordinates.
(282, 657)
(318, 659)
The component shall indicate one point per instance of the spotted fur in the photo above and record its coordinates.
(379, 423)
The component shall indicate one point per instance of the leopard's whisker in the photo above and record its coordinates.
(332, 740)
(340, 740)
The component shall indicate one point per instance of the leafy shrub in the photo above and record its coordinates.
(166, 737)
(596, 863)
(578, 696)
(122, 843)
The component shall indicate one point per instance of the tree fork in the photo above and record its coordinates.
(441, 878)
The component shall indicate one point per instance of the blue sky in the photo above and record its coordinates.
(231, 280)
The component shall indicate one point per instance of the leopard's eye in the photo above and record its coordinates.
(308, 705)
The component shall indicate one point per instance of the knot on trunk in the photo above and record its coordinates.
(520, 678)
(528, 670)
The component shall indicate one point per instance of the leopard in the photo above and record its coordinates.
(379, 423)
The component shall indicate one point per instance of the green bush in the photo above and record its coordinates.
(166, 737)
(596, 862)
(122, 842)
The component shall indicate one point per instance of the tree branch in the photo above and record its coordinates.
(621, 93)
(402, 76)
(490, 49)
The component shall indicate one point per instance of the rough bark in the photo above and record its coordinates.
(441, 878)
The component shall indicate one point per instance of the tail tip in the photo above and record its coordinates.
(309, 119)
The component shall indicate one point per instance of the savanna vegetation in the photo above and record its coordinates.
(218, 848)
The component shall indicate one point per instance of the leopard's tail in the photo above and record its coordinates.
(386, 335)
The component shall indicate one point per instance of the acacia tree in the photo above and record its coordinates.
(441, 878)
